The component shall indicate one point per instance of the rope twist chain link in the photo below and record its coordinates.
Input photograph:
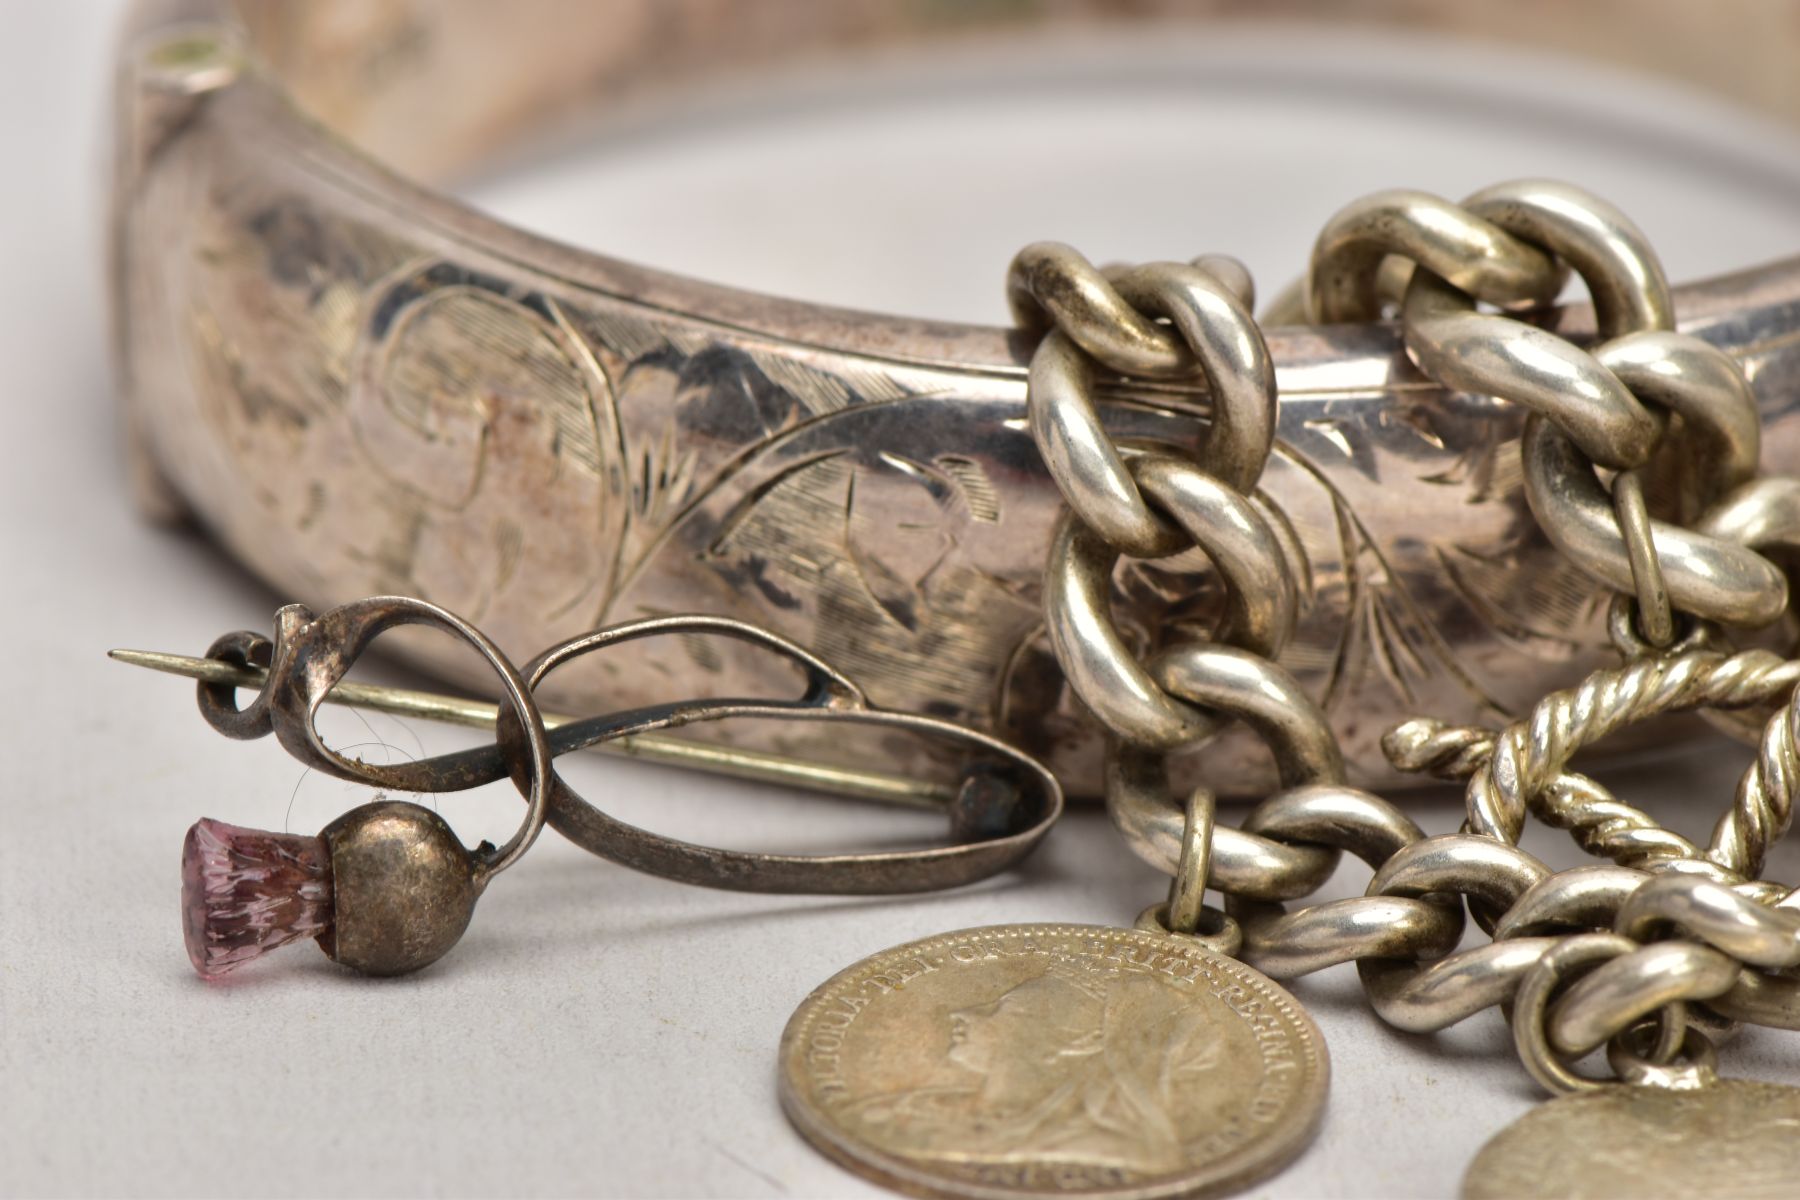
(1522, 769)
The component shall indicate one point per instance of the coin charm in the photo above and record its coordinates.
(1732, 1138)
(1022, 1060)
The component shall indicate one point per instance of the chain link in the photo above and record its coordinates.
(1344, 282)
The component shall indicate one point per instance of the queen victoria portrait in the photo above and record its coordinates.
(1078, 1066)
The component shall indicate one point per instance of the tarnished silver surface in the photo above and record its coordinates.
(645, 444)
(360, 387)
(1736, 1138)
(1026, 1060)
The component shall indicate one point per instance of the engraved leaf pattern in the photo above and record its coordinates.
(834, 497)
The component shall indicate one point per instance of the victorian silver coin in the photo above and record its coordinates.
(1732, 1138)
(1038, 1059)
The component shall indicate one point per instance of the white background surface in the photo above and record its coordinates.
(600, 1032)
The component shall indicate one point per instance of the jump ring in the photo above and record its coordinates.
(1656, 619)
(1689, 1065)
(1187, 888)
(1217, 931)
(1243, 861)
(1532, 999)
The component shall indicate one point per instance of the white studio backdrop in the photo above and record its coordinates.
(600, 1032)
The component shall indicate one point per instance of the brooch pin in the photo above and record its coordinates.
(388, 887)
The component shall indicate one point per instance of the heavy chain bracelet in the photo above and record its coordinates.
(1655, 957)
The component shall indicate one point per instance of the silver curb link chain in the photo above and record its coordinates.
(1640, 462)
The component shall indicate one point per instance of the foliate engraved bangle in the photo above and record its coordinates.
(362, 387)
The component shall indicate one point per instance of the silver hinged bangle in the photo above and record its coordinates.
(362, 386)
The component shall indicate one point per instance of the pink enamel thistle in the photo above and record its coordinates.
(245, 892)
